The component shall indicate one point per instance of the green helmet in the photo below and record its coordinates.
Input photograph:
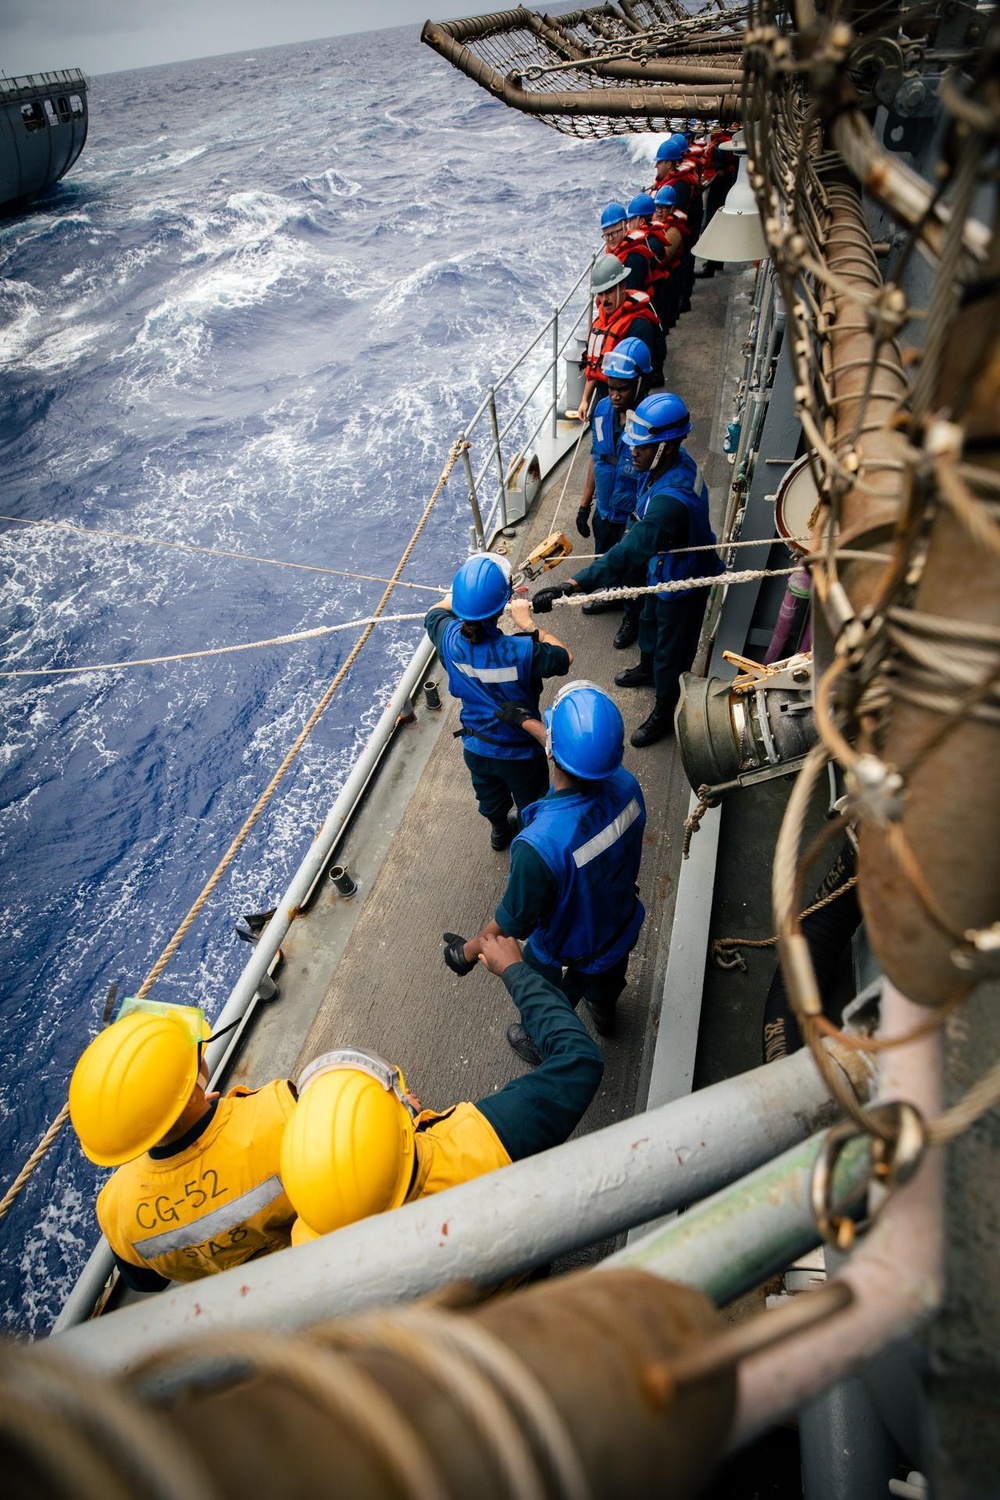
(608, 272)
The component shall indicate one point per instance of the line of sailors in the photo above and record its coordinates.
(204, 1184)
(651, 239)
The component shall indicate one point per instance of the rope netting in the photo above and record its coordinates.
(896, 386)
(612, 69)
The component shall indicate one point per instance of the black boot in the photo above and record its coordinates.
(522, 1044)
(601, 607)
(628, 632)
(502, 833)
(659, 724)
(640, 675)
(603, 1017)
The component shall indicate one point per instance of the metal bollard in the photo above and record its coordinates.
(346, 885)
(431, 695)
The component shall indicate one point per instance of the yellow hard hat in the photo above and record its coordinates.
(134, 1080)
(348, 1148)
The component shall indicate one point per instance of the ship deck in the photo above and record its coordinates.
(368, 971)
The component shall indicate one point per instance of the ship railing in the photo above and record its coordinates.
(517, 431)
(27, 85)
(89, 1287)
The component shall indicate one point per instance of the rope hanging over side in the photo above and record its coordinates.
(50, 1135)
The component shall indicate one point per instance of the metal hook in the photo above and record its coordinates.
(898, 1134)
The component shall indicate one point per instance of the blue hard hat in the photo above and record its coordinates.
(666, 197)
(627, 360)
(612, 215)
(481, 587)
(641, 206)
(657, 419)
(585, 734)
(672, 149)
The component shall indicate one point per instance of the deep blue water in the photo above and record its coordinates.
(254, 317)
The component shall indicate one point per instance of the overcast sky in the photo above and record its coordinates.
(102, 36)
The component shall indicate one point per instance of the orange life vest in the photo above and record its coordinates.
(608, 330)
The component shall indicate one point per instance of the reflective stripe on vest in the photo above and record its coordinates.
(214, 1204)
(485, 675)
(211, 1225)
(591, 844)
(616, 479)
(607, 836)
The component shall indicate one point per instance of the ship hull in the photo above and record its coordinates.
(43, 129)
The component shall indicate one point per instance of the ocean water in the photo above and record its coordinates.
(253, 318)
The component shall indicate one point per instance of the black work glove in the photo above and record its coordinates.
(454, 955)
(514, 714)
(541, 604)
(583, 520)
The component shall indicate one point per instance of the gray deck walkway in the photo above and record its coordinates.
(375, 969)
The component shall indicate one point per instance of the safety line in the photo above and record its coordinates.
(677, 586)
(237, 843)
(156, 541)
(274, 640)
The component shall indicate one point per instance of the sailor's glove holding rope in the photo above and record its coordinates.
(541, 603)
(583, 520)
(454, 955)
(514, 714)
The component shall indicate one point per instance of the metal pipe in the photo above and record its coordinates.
(501, 477)
(494, 1226)
(477, 519)
(701, 101)
(897, 1272)
(89, 1285)
(555, 373)
(736, 1239)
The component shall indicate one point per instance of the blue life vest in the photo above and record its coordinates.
(485, 676)
(592, 844)
(616, 480)
(685, 482)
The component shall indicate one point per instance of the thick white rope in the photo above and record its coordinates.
(677, 586)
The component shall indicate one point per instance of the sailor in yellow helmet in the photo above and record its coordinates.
(358, 1143)
(198, 1188)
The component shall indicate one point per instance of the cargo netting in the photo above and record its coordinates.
(609, 70)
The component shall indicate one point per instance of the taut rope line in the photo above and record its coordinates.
(677, 586)
(171, 948)
(159, 541)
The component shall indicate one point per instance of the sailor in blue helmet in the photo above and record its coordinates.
(633, 254)
(671, 515)
(674, 226)
(487, 669)
(612, 477)
(572, 889)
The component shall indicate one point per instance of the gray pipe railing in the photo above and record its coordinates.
(495, 1226)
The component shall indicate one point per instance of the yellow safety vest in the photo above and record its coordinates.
(454, 1147)
(214, 1205)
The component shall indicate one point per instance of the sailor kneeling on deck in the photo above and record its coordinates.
(572, 888)
(197, 1188)
(358, 1143)
(487, 669)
